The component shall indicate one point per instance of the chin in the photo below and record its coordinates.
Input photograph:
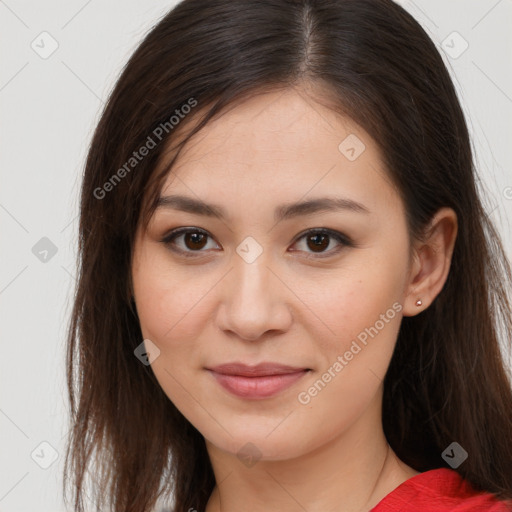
(253, 446)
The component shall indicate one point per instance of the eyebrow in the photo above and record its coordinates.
(282, 212)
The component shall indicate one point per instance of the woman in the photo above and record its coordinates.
(290, 296)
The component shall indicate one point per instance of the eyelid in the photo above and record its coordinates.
(341, 238)
(175, 233)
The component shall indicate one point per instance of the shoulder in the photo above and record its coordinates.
(439, 490)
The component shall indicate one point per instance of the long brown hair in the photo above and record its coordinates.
(447, 380)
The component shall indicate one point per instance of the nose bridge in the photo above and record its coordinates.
(252, 276)
(253, 302)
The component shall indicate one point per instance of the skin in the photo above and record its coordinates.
(331, 453)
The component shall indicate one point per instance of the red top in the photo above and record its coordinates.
(439, 490)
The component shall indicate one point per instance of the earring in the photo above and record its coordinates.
(418, 302)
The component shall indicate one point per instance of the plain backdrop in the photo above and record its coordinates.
(49, 107)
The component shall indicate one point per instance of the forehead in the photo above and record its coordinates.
(277, 144)
(272, 123)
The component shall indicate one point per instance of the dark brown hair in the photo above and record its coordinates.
(447, 380)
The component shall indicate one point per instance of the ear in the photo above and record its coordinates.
(430, 262)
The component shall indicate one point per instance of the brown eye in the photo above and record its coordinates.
(320, 239)
(193, 240)
(318, 242)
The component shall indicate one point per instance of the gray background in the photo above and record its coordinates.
(49, 107)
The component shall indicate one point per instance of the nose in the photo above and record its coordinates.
(254, 301)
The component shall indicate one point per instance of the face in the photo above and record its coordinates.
(263, 283)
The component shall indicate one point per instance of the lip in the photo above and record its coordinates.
(256, 382)
(258, 370)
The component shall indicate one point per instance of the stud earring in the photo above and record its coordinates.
(418, 302)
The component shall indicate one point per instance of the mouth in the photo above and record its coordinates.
(256, 382)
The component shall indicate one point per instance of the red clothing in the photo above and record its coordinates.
(439, 490)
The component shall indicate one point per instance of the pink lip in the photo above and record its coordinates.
(260, 381)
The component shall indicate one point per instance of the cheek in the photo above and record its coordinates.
(364, 318)
(344, 306)
(171, 307)
(360, 312)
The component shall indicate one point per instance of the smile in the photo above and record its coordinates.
(257, 387)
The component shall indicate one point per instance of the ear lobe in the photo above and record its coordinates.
(431, 262)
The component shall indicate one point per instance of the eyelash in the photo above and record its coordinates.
(344, 240)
